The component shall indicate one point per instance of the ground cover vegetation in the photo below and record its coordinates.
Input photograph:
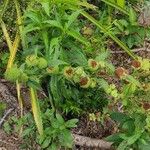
(63, 48)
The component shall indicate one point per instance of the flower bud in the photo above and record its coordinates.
(136, 64)
(42, 63)
(68, 72)
(79, 71)
(120, 72)
(85, 82)
(31, 60)
(52, 70)
(93, 65)
(12, 74)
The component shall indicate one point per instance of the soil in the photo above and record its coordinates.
(85, 127)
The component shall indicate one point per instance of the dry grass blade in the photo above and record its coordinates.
(14, 51)
(7, 37)
(36, 110)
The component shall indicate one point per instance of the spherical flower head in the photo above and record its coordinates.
(12, 74)
(93, 65)
(31, 60)
(52, 70)
(85, 82)
(79, 71)
(136, 64)
(121, 72)
(145, 64)
(68, 72)
(146, 105)
(42, 63)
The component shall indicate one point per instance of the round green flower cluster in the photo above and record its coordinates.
(78, 75)
(52, 70)
(93, 65)
(13, 74)
(112, 91)
(33, 60)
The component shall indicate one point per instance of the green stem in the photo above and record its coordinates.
(116, 6)
(113, 37)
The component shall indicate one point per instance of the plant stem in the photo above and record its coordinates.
(104, 30)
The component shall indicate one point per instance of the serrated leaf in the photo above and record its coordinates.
(120, 117)
(60, 118)
(71, 123)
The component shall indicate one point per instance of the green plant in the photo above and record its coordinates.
(3, 106)
(134, 121)
(56, 133)
(66, 56)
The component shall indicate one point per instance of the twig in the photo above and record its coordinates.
(91, 142)
(6, 114)
(134, 50)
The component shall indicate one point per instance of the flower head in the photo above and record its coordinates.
(85, 82)
(120, 72)
(42, 63)
(31, 60)
(68, 72)
(93, 65)
(12, 74)
(136, 64)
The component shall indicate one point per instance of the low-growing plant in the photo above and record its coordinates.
(56, 132)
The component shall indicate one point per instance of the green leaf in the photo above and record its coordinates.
(46, 7)
(131, 140)
(75, 34)
(122, 145)
(53, 147)
(53, 23)
(132, 16)
(33, 15)
(114, 138)
(120, 117)
(121, 3)
(46, 142)
(72, 18)
(119, 7)
(144, 146)
(66, 138)
(26, 132)
(71, 123)
(60, 119)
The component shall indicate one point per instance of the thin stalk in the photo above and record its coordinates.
(20, 23)
(7, 37)
(2, 11)
(116, 6)
(14, 51)
(20, 102)
(50, 98)
(36, 110)
(113, 37)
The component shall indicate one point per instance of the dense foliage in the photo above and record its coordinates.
(65, 51)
